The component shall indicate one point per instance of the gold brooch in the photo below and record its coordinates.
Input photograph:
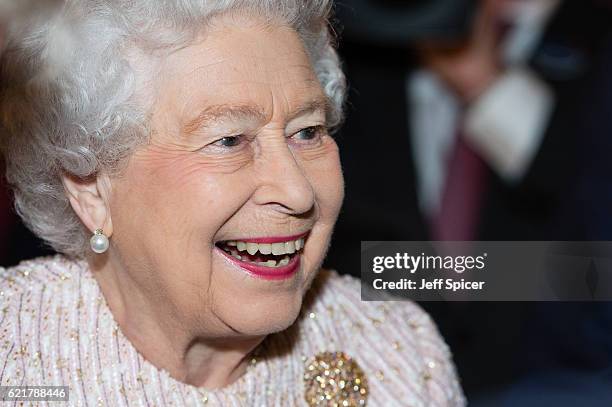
(334, 379)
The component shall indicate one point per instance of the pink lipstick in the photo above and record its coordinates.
(270, 258)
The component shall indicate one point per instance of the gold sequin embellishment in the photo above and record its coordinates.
(334, 379)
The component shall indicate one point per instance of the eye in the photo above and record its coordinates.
(310, 135)
(226, 145)
(229, 141)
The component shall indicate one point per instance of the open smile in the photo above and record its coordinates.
(270, 258)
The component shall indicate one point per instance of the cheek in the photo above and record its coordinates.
(181, 197)
(325, 175)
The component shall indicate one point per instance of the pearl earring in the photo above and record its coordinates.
(99, 242)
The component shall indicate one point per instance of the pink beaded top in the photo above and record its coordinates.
(57, 330)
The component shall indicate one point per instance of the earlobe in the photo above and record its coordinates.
(89, 198)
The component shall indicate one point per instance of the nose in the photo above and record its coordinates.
(283, 182)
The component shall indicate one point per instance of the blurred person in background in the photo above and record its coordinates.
(500, 133)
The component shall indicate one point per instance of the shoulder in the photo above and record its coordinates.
(27, 278)
(31, 296)
(343, 292)
(31, 276)
(55, 265)
(395, 340)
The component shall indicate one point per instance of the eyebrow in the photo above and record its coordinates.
(321, 104)
(218, 113)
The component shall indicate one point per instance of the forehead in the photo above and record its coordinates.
(240, 62)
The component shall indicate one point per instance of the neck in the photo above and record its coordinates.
(168, 340)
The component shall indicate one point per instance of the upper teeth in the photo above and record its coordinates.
(276, 249)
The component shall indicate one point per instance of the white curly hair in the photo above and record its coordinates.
(68, 102)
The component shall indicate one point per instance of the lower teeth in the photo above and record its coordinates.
(269, 263)
(259, 259)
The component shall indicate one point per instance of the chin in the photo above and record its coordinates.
(263, 316)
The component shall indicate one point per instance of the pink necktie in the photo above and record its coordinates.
(466, 178)
(461, 200)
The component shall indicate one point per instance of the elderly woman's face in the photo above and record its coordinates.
(239, 165)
